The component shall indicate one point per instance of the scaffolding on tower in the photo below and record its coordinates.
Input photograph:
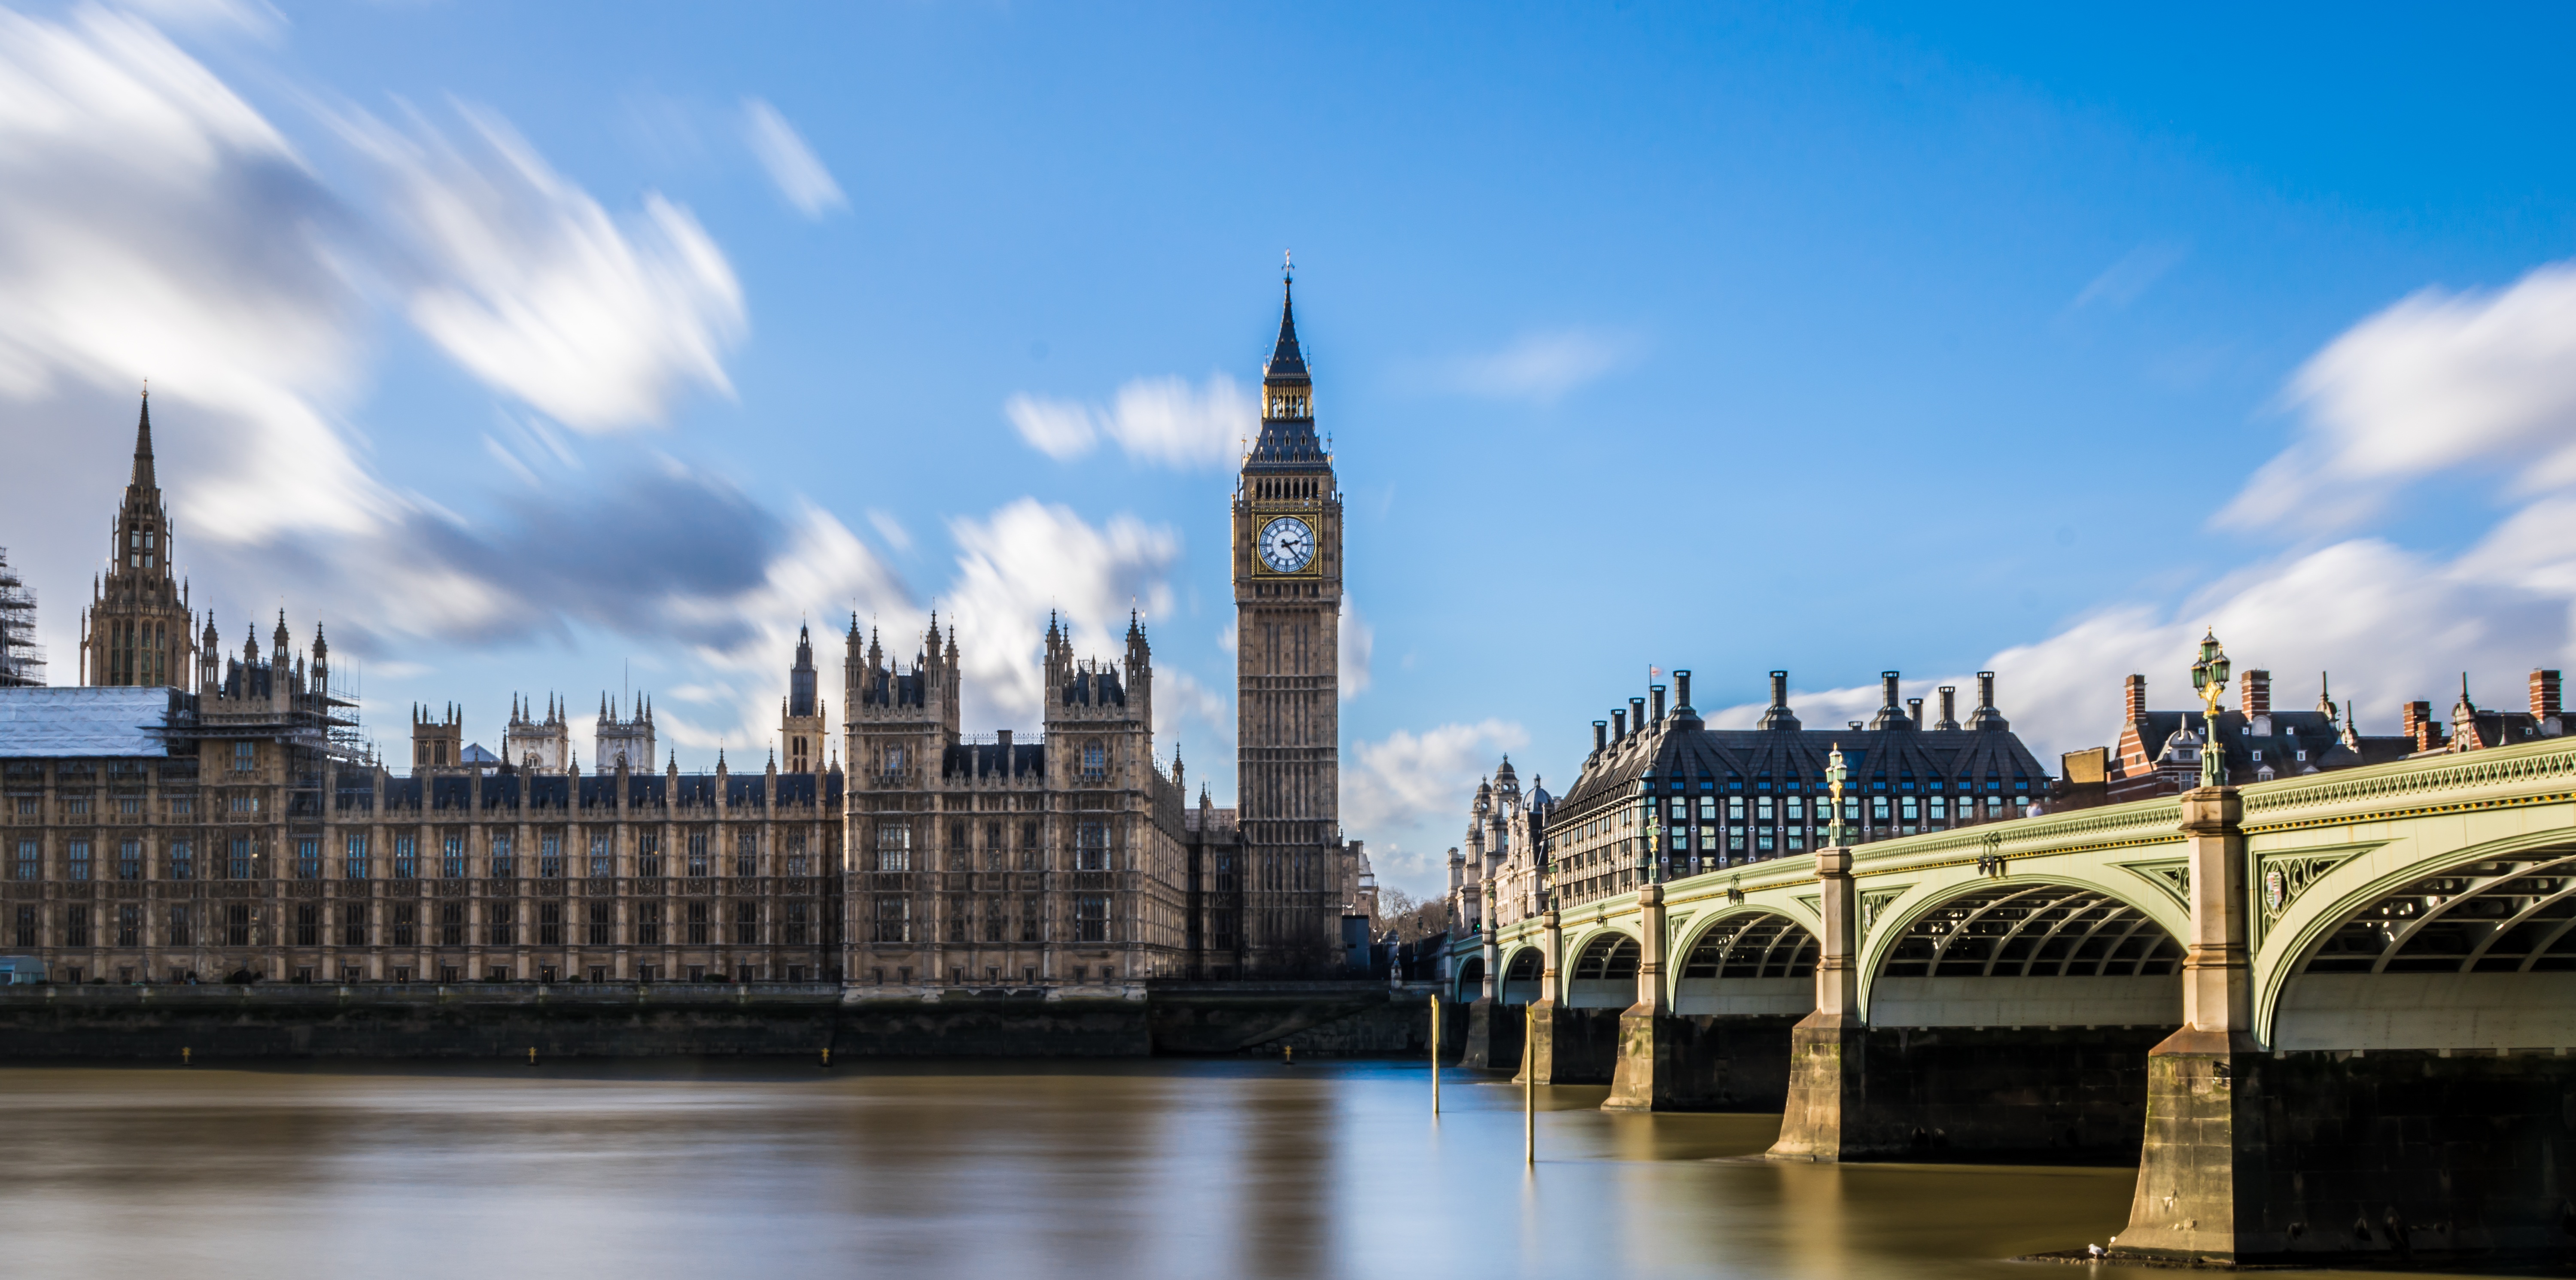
(22, 661)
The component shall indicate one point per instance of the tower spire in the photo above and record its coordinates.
(1287, 359)
(143, 474)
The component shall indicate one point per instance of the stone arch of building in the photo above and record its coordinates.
(2473, 950)
(2026, 950)
(1746, 960)
(1601, 971)
(1523, 975)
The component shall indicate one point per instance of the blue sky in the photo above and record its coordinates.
(549, 348)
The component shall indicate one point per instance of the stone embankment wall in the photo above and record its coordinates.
(479, 1020)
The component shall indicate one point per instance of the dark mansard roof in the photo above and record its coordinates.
(1752, 756)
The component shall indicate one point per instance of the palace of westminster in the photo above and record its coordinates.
(189, 813)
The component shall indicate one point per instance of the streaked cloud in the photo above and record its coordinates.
(522, 277)
(2128, 279)
(1161, 421)
(1394, 787)
(2437, 382)
(1357, 642)
(792, 166)
(1031, 559)
(1540, 367)
(156, 225)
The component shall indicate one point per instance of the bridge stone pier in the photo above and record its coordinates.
(2333, 1018)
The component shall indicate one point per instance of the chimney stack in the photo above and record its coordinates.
(2420, 726)
(1949, 707)
(1600, 735)
(1618, 725)
(1888, 715)
(2133, 698)
(2255, 694)
(1681, 694)
(1914, 711)
(1656, 692)
(1637, 714)
(1779, 716)
(2544, 695)
(1987, 717)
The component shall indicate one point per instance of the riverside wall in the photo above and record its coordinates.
(483, 1020)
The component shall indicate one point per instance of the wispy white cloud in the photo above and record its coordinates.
(1358, 641)
(2125, 281)
(1405, 780)
(820, 570)
(153, 224)
(1541, 367)
(1162, 421)
(1180, 702)
(890, 529)
(792, 165)
(523, 278)
(2437, 382)
(1030, 559)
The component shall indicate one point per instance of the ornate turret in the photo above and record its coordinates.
(137, 629)
(801, 723)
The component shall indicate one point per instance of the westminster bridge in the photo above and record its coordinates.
(2332, 1016)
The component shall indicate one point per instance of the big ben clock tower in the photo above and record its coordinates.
(1288, 605)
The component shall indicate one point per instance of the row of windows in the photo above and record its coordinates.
(1905, 782)
(447, 925)
(1003, 919)
(1095, 760)
(1092, 845)
(76, 806)
(356, 862)
(1905, 808)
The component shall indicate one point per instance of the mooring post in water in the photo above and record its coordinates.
(1435, 1055)
(1529, 1096)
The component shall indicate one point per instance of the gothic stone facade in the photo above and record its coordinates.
(236, 826)
(1001, 864)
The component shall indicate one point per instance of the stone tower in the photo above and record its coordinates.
(801, 725)
(436, 744)
(627, 740)
(1288, 604)
(137, 630)
(538, 746)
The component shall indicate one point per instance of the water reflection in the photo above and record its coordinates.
(983, 1169)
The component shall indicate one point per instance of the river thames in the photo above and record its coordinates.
(1142, 1169)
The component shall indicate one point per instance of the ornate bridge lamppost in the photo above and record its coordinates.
(2209, 676)
(1834, 776)
(1650, 865)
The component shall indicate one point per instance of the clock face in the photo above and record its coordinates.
(1286, 544)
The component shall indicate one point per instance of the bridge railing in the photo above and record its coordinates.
(2406, 788)
(2542, 771)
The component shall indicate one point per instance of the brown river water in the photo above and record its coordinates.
(983, 1169)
